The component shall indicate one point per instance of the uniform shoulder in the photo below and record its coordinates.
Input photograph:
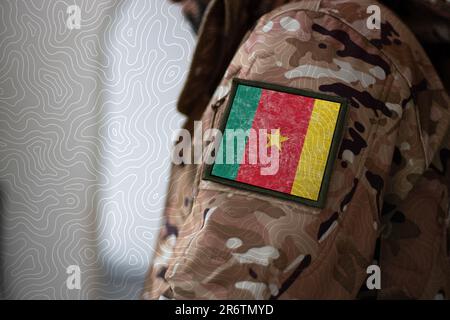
(396, 43)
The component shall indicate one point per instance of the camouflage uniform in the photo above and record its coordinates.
(389, 182)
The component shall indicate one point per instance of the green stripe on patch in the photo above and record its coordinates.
(241, 117)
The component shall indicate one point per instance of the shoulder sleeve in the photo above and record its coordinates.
(240, 244)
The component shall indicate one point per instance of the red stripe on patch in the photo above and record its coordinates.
(291, 114)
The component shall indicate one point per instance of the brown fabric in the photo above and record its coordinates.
(428, 20)
(390, 182)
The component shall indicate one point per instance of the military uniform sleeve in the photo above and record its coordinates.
(239, 244)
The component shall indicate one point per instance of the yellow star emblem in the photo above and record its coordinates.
(275, 139)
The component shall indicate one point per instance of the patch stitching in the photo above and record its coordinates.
(332, 150)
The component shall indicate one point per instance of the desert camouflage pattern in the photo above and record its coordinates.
(389, 186)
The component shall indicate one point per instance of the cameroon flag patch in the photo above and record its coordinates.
(279, 141)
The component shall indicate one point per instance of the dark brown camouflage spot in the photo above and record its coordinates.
(324, 226)
(355, 144)
(351, 49)
(398, 217)
(387, 31)
(348, 197)
(377, 183)
(359, 126)
(252, 273)
(171, 229)
(357, 97)
(161, 273)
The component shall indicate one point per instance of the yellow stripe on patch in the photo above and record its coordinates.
(316, 147)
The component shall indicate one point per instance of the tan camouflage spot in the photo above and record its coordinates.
(171, 240)
(209, 213)
(395, 107)
(305, 51)
(268, 26)
(346, 73)
(166, 250)
(435, 113)
(233, 243)
(405, 146)
(289, 24)
(221, 92)
(255, 288)
(273, 289)
(378, 72)
(174, 269)
(348, 156)
(375, 226)
(261, 256)
(294, 263)
(327, 233)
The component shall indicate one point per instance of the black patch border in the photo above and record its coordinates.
(332, 153)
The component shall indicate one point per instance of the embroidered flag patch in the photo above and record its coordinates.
(299, 129)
